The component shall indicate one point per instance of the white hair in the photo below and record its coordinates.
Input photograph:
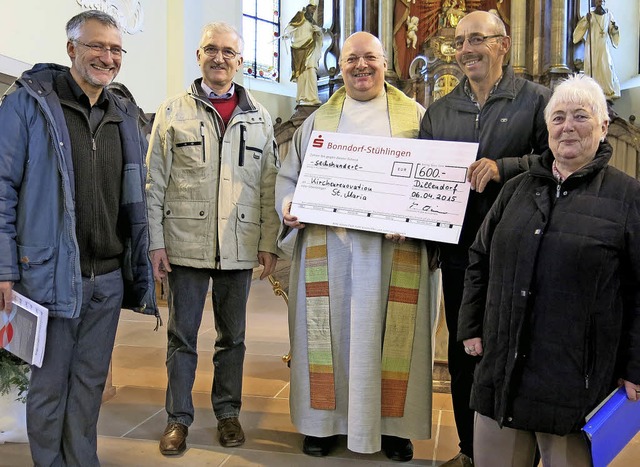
(582, 90)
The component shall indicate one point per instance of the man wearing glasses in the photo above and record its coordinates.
(360, 354)
(210, 194)
(505, 115)
(73, 229)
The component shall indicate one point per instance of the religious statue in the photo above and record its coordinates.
(600, 30)
(451, 12)
(306, 47)
(412, 30)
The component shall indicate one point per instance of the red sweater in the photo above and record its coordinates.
(225, 107)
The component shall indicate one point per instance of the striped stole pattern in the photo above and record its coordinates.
(321, 381)
(400, 327)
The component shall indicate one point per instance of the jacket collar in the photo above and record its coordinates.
(41, 77)
(244, 99)
(541, 166)
(507, 88)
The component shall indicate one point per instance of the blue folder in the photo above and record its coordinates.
(611, 426)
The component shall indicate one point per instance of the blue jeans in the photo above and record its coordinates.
(188, 289)
(64, 395)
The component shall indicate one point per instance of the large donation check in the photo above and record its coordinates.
(413, 187)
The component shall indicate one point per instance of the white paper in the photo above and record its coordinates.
(23, 331)
(413, 187)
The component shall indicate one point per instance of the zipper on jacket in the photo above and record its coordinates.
(94, 209)
(558, 188)
(589, 350)
(220, 142)
(61, 156)
(203, 145)
(243, 129)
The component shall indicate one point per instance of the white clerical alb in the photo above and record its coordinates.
(599, 30)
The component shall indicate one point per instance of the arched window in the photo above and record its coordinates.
(261, 31)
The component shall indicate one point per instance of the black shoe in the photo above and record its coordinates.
(318, 447)
(230, 432)
(397, 449)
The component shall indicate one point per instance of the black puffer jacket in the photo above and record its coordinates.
(508, 128)
(553, 289)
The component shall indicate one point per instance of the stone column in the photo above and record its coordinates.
(559, 37)
(385, 27)
(519, 36)
(347, 19)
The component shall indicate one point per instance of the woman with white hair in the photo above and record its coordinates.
(552, 293)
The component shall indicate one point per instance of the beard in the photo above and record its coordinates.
(309, 16)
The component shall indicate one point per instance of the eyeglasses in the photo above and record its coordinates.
(101, 49)
(458, 42)
(368, 58)
(227, 54)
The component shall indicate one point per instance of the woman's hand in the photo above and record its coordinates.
(289, 220)
(473, 346)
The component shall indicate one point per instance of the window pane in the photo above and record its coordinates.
(249, 7)
(266, 39)
(268, 10)
(249, 35)
(262, 47)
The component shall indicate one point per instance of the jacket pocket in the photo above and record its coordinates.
(186, 228)
(256, 153)
(131, 184)
(189, 144)
(37, 272)
(247, 232)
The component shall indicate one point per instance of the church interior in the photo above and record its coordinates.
(418, 39)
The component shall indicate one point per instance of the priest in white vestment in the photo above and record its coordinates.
(357, 369)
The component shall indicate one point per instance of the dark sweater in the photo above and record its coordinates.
(97, 168)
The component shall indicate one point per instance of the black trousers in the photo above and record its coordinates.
(461, 365)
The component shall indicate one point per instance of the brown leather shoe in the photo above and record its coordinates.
(461, 460)
(174, 439)
(230, 432)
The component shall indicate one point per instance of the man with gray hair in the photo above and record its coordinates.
(73, 229)
(210, 194)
